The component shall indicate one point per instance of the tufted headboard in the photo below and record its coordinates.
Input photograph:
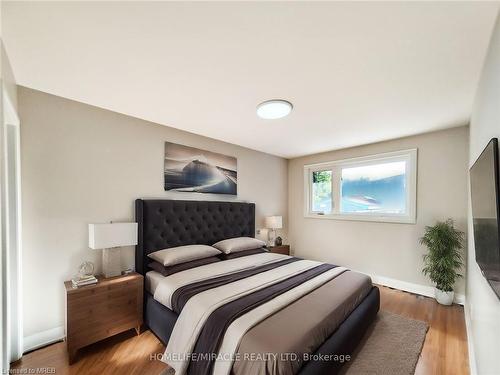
(165, 223)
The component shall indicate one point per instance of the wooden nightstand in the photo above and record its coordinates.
(98, 311)
(283, 249)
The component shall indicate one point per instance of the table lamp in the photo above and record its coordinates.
(110, 237)
(273, 223)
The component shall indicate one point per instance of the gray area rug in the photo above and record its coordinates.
(391, 346)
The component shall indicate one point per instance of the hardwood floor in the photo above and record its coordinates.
(444, 351)
(445, 347)
(122, 354)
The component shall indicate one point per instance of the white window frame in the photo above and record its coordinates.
(409, 156)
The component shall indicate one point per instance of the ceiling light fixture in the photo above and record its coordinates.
(274, 109)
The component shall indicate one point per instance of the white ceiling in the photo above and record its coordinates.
(356, 72)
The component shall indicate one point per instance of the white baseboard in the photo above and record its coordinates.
(43, 338)
(459, 299)
(470, 341)
(423, 290)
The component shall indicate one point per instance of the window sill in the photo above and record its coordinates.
(378, 219)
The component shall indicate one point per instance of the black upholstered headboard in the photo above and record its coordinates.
(165, 223)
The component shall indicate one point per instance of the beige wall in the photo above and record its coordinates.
(386, 249)
(483, 306)
(82, 164)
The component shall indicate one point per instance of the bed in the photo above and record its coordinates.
(272, 314)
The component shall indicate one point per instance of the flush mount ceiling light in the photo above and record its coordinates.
(273, 109)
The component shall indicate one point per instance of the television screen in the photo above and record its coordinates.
(484, 182)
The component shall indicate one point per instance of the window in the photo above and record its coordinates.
(374, 188)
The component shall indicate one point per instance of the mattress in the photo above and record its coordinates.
(235, 315)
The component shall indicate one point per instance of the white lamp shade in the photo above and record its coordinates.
(105, 236)
(274, 222)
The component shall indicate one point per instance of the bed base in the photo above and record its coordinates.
(159, 319)
(343, 341)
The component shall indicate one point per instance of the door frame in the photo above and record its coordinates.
(11, 229)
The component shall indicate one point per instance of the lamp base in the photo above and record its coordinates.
(111, 262)
(271, 237)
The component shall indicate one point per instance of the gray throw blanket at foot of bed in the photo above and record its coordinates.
(213, 332)
(315, 316)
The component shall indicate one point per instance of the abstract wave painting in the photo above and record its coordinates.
(190, 169)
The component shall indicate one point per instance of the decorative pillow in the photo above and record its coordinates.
(170, 270)
(181, 254)
(237, 244)
(242, 253)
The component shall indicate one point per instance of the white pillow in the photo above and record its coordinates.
(234, 245)
(182, 254)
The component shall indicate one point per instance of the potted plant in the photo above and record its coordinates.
(444, 258)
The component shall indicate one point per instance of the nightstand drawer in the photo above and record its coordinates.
(282, 249)
(95, 310)
(89, 299)
(101, 292)
(102, 310)
(101, 330)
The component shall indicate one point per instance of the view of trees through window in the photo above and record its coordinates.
(322, 191)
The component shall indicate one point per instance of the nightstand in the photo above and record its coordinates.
(283, 249)
(95, 312)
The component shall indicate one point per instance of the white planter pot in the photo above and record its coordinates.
(444, 298)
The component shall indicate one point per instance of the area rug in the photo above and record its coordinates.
(390, 347)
